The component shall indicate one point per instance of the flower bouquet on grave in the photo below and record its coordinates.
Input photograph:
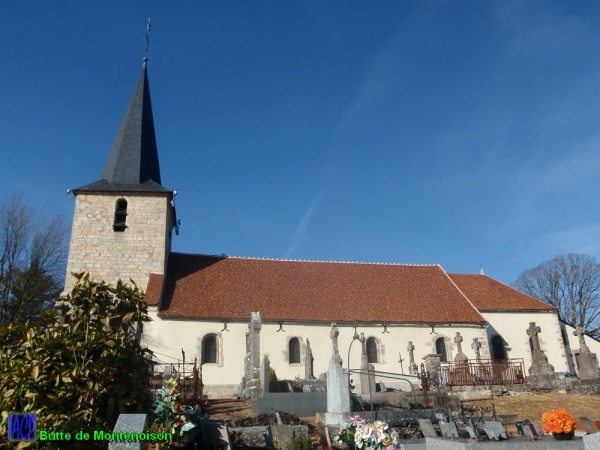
(359, 434)
(560, 423)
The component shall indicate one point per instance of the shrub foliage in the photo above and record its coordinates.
(81, 371)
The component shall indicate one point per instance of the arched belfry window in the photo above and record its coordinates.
(372, 350)
(209, 349)
(498, 350)
(120, 222)
(294, 350)
(440, 348)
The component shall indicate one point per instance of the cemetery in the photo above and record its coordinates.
(429, 408)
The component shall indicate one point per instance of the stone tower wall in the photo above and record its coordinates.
(112, 255)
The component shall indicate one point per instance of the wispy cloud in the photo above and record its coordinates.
(578, 239)
(301, 232)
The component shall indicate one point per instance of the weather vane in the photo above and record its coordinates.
(147, 41)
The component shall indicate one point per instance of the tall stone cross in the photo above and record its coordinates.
(476, 345)
(364, 359)
(580, 333)
(458, 341)
(333, 334)
(533, 332)
(308, 362)
(413, 369)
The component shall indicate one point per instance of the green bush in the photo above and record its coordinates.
(80, 374)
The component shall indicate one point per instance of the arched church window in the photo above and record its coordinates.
(120, 222)
(498, 350)
(209, 349)
(440, 348)
(294, 350)
(372, 350)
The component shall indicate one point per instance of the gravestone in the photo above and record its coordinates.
(460, 357)
(497, 427)
(404, 403)
(334, 334)
(413, 369)
(129, 423)
(539, 360)
(529, 432)
(432, 365)
(448, 429)
(491, 434)
(539, 430)
(427, 428)
(526, 424)
(308, 362)
(587, 361)
(590, 427)
(476, 345)
(215, 434)
(255, 327)
(338, 385)
(472, 430)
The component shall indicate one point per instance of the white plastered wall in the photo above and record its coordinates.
(168, 337)
(512, 327)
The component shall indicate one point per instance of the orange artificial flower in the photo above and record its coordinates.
(558, 421)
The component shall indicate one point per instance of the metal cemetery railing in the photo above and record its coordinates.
(483, 372)
(188, 375)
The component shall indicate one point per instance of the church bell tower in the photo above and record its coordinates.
(122, 225)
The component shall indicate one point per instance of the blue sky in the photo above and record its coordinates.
(458, 133)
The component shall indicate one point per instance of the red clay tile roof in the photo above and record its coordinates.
(488, 294)
(212, 287)
(154, 289)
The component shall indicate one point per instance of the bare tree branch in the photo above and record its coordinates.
(572, 284)
(33, 251)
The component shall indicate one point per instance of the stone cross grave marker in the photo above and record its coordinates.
(476, 345)
(413, 369)
(458, 341)
(539, 360)
(533, 331)
(580, 333)
(460, 357)
(587, 361)
(364, 360)
(333, 334)
(308, 362)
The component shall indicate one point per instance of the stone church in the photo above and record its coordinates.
(123, 227)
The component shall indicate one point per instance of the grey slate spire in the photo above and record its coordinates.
(133, 158)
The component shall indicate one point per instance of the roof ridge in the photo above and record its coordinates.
(258, 258)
